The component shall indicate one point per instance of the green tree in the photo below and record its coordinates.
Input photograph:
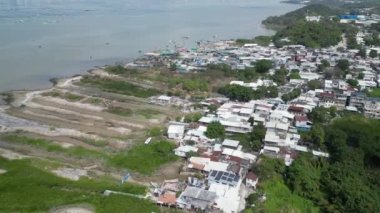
(212, 107)
(269, 168)
(215, 130)
(325, 63)
(237, 92)
(173, 67)
(317, 134)
(194, 117)
(343, 64)
(314, 84)
(263, 66)
(294, 76)
(257, 136)
(362, 53)
(320, 115)
(279, 76)
(373, 54)
(291, 95)
(304, 175)
(353, 82)
(361, 75)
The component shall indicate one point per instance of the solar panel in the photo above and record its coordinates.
(219, 175)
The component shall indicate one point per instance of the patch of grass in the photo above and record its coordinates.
(155, 132)
(67, 96)
(77, 152)
(52, 94)
(145, 159)
(120, 87)
(94, 100)
(87, 184)
(93, 142)
(120, 70)
(72, 97)
(147, 113)
(375, 93)
(120, 111)
(25, 188)
(281, 199)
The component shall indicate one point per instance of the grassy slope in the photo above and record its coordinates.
(145, 158)
(120, 87)
(77, 152)
(280, 198)
(25, 188)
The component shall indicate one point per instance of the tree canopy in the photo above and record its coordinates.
(245, 94)
(349, 180)
(263, 66)
(373, 54)
(343, 64)
(237, 92)
(310, 34)
(291, 95)
(315, 84)
(215, 130)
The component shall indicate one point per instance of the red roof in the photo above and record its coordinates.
(301, 118)
(168, 198)
(295, 108)
(251, 176)
(327, 94)
(215, 156)
(235, 159)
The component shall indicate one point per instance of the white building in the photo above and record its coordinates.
(313, 18)
(183, 150)
(176, 131)
(228, 197)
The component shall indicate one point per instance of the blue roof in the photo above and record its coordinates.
(350, 17)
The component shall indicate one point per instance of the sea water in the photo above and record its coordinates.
(43, 39)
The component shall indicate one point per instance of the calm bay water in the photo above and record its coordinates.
(43, 39)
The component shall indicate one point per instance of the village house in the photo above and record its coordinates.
(228, 198)
(251, 179)
(224, 177)
(176, 131)
(196, 198)
(302, 123)
(183, 150)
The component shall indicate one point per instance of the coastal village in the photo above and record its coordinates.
(217, 169)
(221, 173)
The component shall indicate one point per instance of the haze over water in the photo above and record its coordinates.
(43, 39)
